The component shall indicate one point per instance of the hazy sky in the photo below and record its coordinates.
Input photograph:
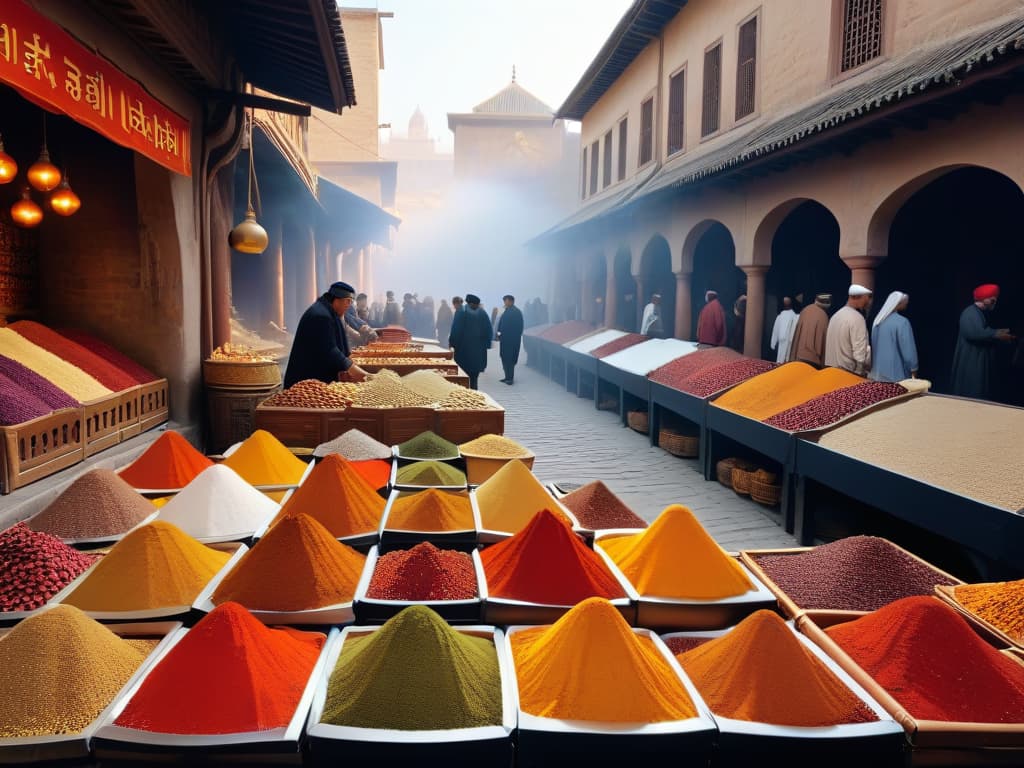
(449, 55)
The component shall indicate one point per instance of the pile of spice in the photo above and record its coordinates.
(34, 567)
(928, 658)
(760, 672)
(510, 498)
(25, 395)
(218, 503)
(415, 673)
(428, 445)
(262, 459)
(674, 373)
(228, 674)
(354, 445)
(429, 384)
(71, 379)
(18, 405)
(677, 558)
(463, 399)
(431, 510)
(423, 573)
(1000, 603)
(596, 507)
(97, 504)
(425, 473)
(138, 372)
(783, 388)
(547, 563)
(338, 497)
(829, 408)
(595, 340)
(858, 573)
(494, 447)
(297, 566)
(616, 345)
(58, 670)
(169, 462)
(386, 390)
(105, 372)
(155, 566)
(590, 665)
(719, 377)
(560, 333)
(376, 472)
(308, 393)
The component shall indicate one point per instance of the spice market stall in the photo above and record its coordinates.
(580, 365)
(628, 368)
(546, 344)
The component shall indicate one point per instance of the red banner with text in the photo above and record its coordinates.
(44, 62)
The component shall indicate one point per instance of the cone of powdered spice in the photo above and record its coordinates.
(338, 497)
(217, 503)
(423, 573)
(430, 472)
(596, 507)
(428, 445)
(494, 447)
(59, 670)
(34, 566)
(354, 445)
(97, 504)
(262, 459)
(170, 461)
(510, 498)
(431, 510)
(415, 673)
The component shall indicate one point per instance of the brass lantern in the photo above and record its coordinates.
(64, 201)
(8, 167)
(248, 236)
(26, 212)
(42, 174)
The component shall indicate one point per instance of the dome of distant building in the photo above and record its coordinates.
(418, 126)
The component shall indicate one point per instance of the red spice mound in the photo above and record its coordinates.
(169, 462)
(423, 573)
(831, 407)
(141, 374)
(376, 472)
(567, 331)
(596, 507)
(36, 385)
(228, 674)
(105, 372)
(619, 344)
(96, 504)
(18, 406)
(679, 370)
(719, 377)
(547, 563)
(933, 663)
(35, 566)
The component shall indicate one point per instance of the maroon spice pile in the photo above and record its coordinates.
(617, 345)
(96, 504)
(719, 377)
(831, 407)
(567, 331)
(18, 406)
(108, 353)
(858, 573)
(596, 507)
(105, 372)
(680, 645)
(37, 386)
(34, 567)
(674, 373)
(423, 573)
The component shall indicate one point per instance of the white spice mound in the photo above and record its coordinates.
(430, 384)
(644, 357)
(354, 445)
(218, 502)
(595, 340)
(972, 448)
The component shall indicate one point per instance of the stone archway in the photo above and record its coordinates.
(656, 277)
(712, 252)
(625, 306)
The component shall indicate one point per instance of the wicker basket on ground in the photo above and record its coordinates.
(764, 488)
(679, 444)
(723, 469)
(638, 420)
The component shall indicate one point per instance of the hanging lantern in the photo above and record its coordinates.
(8, 168)
(25, 212)
(64, 201)
(42, 174)
(248, 236)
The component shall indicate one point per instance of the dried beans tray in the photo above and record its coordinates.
(40, 447)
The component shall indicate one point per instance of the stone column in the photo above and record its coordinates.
(862, 269)
(684, 310)
(611, 293)
(754, 327)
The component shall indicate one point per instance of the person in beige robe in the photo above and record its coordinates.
(808, 344)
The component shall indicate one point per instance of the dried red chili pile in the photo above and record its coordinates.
(139, 373)
(423, 573)
(672, 374)
(35, 566)
(619, 344)
(596, 507)
(105, 372)
(567, 331)
(858, 573)
(831, 407)
(719, 377)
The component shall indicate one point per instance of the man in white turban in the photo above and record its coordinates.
(846, 343)
(893, 351)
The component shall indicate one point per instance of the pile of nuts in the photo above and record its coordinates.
(236, 353)
(309, 393)
(463, 399)
(386, 390)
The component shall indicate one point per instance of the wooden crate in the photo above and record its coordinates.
(102, 427)
(152, 404)
(295, 427)
(40, 447)
(388, 425)
(462, 426)
(128, 413)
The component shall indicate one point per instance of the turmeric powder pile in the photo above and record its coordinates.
(1000, 603)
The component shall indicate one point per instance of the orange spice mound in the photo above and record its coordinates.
(338, 497)
(783, 388)
(431, 510)
(169, 462)
(262, 459)
(590, 665)
(376, 472)
(761, 672)
(297, 566)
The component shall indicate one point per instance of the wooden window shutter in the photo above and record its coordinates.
(712, 97)
(861, 33)
(746, 69)
(676, 115)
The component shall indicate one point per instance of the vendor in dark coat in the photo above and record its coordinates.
(471, 338)
(510, 337)
(975, 352)
(320, 349)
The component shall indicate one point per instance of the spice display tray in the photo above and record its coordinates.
(485, 745)
(115, 742)
(789, 607)
(374, 611)
(665, 612)
(945, 593)
(167, 613)
(492, 536)
(102, 424)
(390, 426)
(460, 426)
(636, 384)
(153, 407)
(506, 611)
(685, 406)
(430, 350)
(396, 465)
(92, 542)
(396, 453)
(479, 469)
(400, 538)
(576, 364)
(76, 746)
(36, 449)
(744, 742)
(128, 413)
(543, 741)
(933, 742)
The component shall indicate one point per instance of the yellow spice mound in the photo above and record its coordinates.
(431, 510)
(510, 498)
(262, 459)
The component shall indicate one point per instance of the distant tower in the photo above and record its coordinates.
(418, 126)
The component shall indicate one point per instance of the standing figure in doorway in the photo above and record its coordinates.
(711, 329)
(651, 324)
(893, 351)
(782, 331)
(974, 357)
(471, 338)
(739, 324)
(846, 343)
(808, 345)
(510, 337)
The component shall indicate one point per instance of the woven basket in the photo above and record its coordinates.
(741, 481)
(257, 374)
(723, 470)
(686, 446)
(763, 491)
(639, 421)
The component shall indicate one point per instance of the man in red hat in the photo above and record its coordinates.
(976, 346)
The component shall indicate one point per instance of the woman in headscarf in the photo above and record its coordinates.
(893, 351)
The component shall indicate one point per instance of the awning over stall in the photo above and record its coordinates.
(353, 217)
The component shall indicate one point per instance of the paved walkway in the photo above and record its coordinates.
(576, 443)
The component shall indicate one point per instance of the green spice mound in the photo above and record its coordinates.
(433, 473)
(428, 445)
(415, 673)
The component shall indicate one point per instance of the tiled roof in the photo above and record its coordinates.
(513, 99)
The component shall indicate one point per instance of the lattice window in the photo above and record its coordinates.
(712, 101)
(676, 97)
(594, 148)
(583, 174)
(606, 161)
(862, 32)
(623, 134)
(746, 69)
(646, 131)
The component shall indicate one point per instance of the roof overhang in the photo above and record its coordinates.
(351, 218)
